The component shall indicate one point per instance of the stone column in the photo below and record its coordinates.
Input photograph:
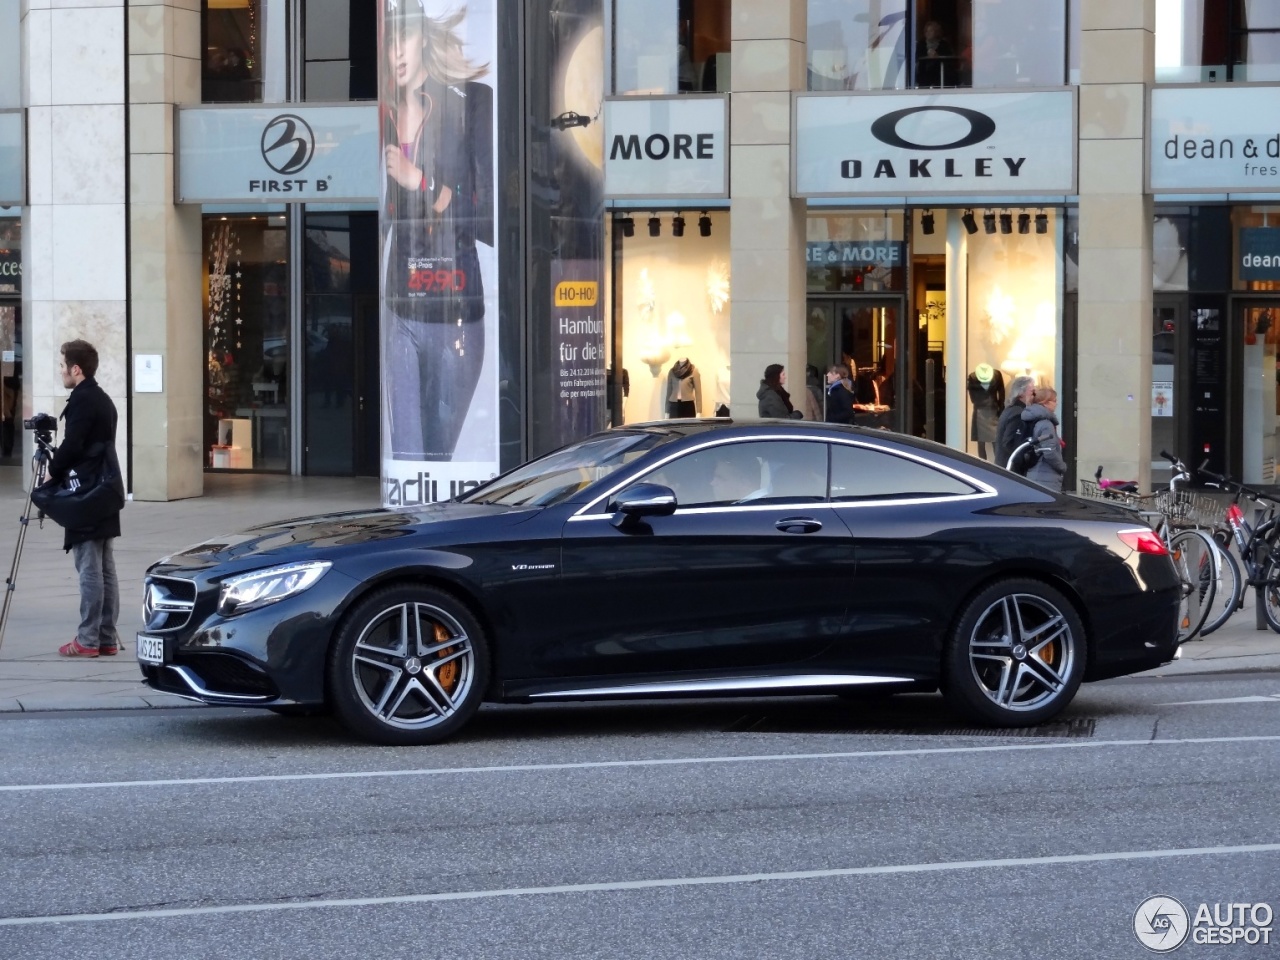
(767, 227)
(165, 252)
(1114, 380)
(74, 237)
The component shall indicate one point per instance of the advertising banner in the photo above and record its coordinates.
(1215, 139)
(12, 165)
(277, 153)
(1260, 253)
(949, 144)
(438, 74)
(666, 147)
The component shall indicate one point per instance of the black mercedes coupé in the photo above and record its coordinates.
(681, 558)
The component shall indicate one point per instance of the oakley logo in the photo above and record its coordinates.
(885, 129)
(288, 144)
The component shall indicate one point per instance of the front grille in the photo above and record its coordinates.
(167, 603)
(227, 673)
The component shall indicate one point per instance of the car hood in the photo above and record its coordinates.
(305, 538)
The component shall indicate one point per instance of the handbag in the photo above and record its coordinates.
(88, 495)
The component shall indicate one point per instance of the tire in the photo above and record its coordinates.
(1016, 656)
(1271, 596)
(1193, 554)
(408, 667)
(1230, 592)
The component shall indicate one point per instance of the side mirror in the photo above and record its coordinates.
(643, 500)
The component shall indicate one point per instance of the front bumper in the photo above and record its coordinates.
(274, 655)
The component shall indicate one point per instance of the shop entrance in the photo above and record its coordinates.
(863, 333)
(1169, 341)
(11, 378)
(1254, 339)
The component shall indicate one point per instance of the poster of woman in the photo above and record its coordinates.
(438, 73)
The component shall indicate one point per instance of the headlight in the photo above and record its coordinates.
(250, 591)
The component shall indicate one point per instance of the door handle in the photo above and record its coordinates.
(799, 525)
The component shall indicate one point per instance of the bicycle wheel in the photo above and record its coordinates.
(1193, 557)
(1271, 596)
(1230, 591)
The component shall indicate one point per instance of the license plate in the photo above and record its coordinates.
(150, 649)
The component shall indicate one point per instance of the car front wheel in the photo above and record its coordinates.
(1017, 655)
(408, 667)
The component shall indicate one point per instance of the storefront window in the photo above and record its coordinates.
(246, 315)
(245, 44)
(1013, 280)
(1234, 40)
(671, 46)
(672, 315)
(10, 336)
(887, 44)
(340, 38)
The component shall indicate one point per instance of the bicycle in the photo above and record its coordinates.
(1258, 550)
(1195, 554)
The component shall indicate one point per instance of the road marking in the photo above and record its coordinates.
(1272, 698)
(622, 764)
(625, 885)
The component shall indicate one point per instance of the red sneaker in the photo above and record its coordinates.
(108, 650)
(73, 649)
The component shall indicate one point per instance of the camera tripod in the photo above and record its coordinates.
(39, 469)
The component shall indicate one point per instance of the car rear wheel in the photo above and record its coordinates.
(408, 667)
(1017, 655)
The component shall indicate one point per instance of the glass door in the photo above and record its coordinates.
(1167, 332)
(863, 333)
(1257, 336)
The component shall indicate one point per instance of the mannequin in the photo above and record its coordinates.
(684, 389)
(986, 394)
(722, 392)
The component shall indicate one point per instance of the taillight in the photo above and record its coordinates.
(1234, 513)
(1144, 541)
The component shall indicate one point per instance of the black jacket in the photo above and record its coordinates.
(839, 403)
(1007, 430)
(90, 418)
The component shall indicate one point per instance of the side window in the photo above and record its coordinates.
(860, 473)
(738, 473)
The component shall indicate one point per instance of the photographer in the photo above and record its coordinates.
(89, 440)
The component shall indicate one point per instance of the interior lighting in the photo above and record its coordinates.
(655, 226)
(926, 222)
(970, 224)
(704, 224)
(1006, 223)
(1042, 222)
(989, 222)
(628, 226)
(677, 226)
(1024, 223)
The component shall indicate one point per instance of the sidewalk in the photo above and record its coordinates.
(45, 606)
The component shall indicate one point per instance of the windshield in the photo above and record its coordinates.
(558, 476)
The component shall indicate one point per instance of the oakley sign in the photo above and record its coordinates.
(919, 145)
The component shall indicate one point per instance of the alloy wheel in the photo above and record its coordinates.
(1021, 652)
(413, 666)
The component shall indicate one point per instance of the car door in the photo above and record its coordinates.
(910, 521)
(750, 571)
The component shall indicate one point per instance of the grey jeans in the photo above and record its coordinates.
(99, 593)
(432, 369)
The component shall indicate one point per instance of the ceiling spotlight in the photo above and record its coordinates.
(628, 226)
(1024, 223)
(1006, 223)
(1042, 222)
(926, 222)
(970, 224)
(704, 224)
(655, 226)
(677, 226)
(989, 222)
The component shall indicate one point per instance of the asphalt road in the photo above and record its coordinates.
(746, 828)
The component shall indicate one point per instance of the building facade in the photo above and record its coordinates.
(661, 199)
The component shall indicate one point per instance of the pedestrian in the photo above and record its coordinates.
(1009, 426)
(840, 396)
(1042, 413)
(812, 393)
(89, 441)
(774, 401)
